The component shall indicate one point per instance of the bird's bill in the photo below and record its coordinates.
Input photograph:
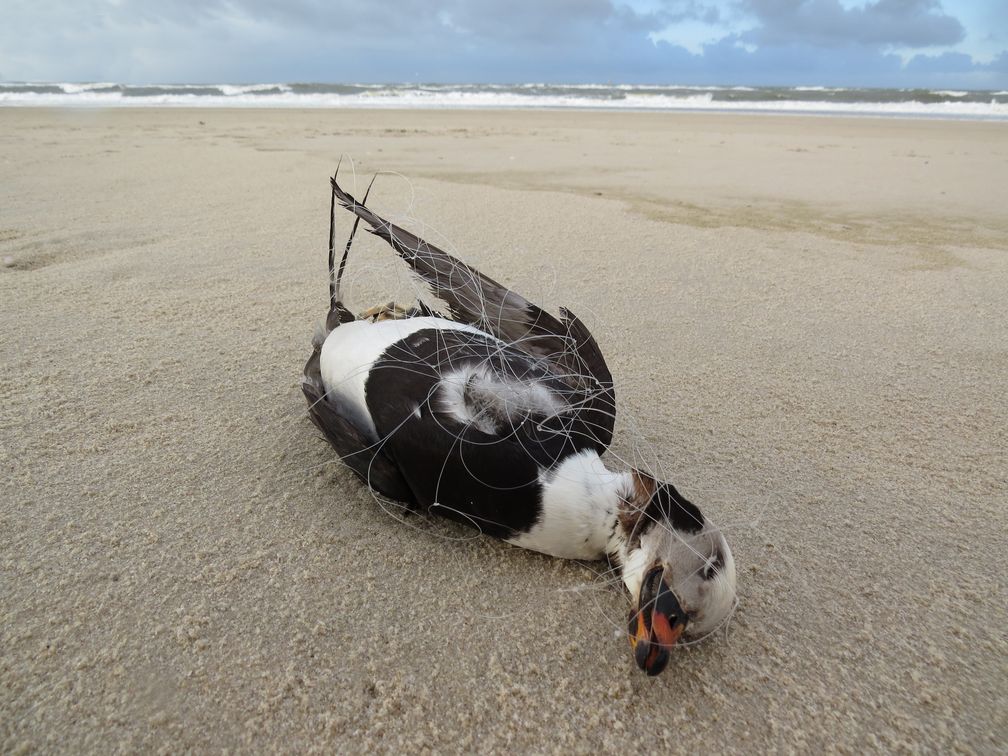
(657, 623)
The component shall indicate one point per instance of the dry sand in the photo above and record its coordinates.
(806, 319)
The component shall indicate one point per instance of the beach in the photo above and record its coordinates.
(805, 318)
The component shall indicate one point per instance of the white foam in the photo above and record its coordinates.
(232, 90)
(818, 89)
(71, 88)
(379, 96)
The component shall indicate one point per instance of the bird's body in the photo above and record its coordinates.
(497, 417)
(479, 432)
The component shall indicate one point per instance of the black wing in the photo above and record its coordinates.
(472, 450)
(356, 447)
(473, 298)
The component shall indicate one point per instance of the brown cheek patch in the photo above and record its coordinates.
(633, 509)
(628, 519)
(644, 486)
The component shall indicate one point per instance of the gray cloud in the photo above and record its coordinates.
(478, 40)
(952, 63)
(902, 23)
(338, 39)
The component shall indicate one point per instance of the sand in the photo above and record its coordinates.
(806, 320)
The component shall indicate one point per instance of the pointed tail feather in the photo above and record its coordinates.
(338, 312)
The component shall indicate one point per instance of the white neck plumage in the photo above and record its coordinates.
(590, 512)
(581, 501)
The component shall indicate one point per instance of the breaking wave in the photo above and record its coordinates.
(805, 99)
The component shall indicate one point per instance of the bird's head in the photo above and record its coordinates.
(677, 567)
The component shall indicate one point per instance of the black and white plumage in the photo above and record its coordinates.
(497, 416)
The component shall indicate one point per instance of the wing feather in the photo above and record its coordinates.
(357, 448)
(478, 300)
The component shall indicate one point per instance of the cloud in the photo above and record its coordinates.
(949, 62)
(395, 40)
(894, 23)
(954, 64)
(749, 42)
(1000, 63)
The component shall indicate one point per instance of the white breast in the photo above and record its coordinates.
(579, 503)
(351, 350)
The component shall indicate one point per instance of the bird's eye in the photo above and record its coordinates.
(713, 566)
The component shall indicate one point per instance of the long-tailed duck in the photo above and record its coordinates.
(497, 415)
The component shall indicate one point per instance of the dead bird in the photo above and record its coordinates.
(496, 414)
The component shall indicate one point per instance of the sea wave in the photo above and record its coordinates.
(805, 99)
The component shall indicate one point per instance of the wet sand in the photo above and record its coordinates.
(806, 321)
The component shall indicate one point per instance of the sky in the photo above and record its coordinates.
(961, 44)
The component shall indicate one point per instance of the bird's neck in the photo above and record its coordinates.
(580, 504)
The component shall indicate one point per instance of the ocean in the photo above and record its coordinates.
(918, 103)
